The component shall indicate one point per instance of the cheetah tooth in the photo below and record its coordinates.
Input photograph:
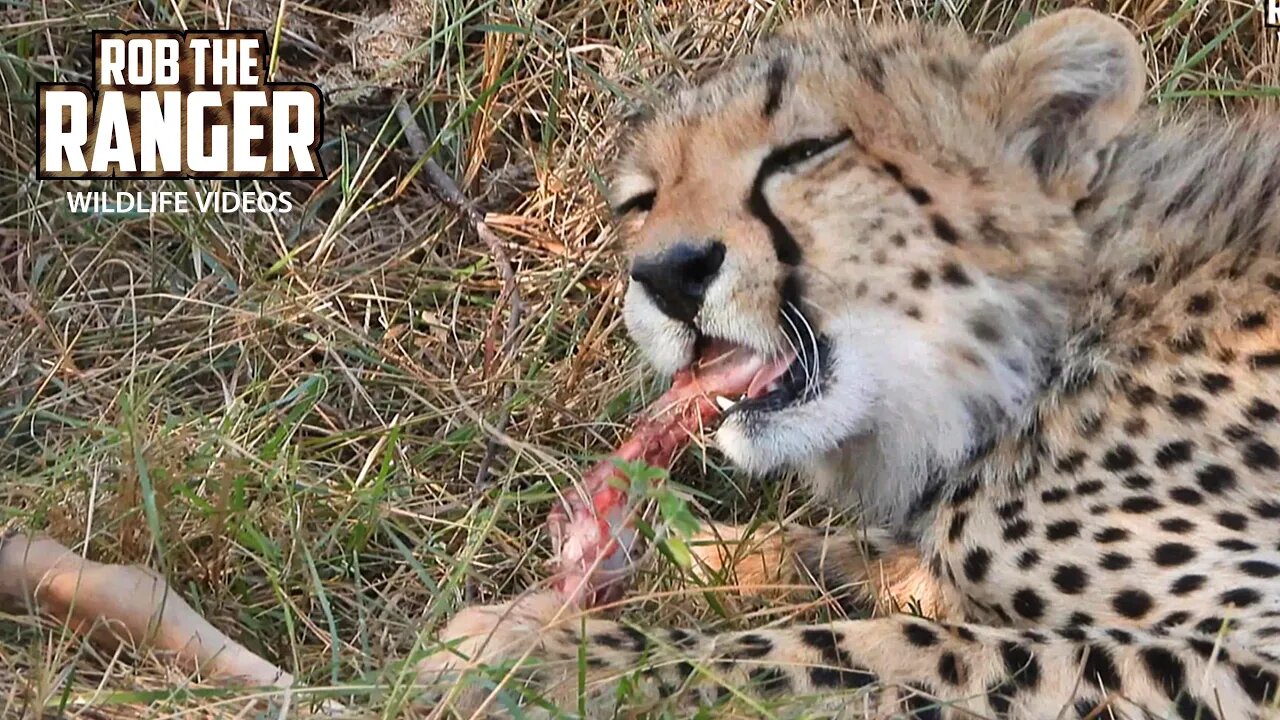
(725, 403)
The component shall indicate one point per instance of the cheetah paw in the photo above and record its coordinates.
(502, 639)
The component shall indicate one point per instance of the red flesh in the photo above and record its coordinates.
(592, 530)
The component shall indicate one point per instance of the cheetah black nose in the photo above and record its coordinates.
(677, 278)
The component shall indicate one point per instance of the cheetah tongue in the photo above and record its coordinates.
(591, 530)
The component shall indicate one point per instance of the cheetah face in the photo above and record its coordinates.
(874, 205)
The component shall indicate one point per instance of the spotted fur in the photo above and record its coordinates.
(1053, 384)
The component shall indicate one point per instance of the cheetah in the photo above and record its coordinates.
(1037, 339)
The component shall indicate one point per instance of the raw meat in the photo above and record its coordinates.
(592, 531)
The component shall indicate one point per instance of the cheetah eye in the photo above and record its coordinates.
(802, 150)
(636, 203)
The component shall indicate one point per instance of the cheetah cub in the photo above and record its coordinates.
(1036, 332)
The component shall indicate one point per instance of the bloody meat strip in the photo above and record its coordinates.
(592, 530)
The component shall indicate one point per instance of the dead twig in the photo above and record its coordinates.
(440, 184)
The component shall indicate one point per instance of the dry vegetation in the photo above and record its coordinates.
(317, 425)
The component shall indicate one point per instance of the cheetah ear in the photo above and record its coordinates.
(1059, 92)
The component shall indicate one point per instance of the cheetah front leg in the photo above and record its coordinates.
(858, 669)
(865, 567)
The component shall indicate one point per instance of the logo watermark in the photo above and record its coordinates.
(173, 104)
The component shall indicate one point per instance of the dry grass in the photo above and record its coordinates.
(289, 415)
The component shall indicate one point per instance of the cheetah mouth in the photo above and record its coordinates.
(794, 378)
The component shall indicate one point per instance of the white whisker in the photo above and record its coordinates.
(800, 350)
(811, 378)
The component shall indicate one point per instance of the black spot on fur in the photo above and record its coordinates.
(1265, 361)
(1240, 597)
(1186, 496)
(683, 639)
(1174, 453)
(1169, 554)
(951, 669)
(965, 491)
(1132, 603)
(1100, 668)
(1165, 669)
(1121, 637)
(1017, 530)
(1028, 559)
(1186, 406)
(1072, 633)
(1211, 626)
(1215, 383)
(953, 274)
(1111, 534)
(1000, 697)
(1267, 509)
(1233, 520)
(1140, 504)
(1216, 479)
(1190, 708)
(1115, 561)
(1177, 525)
(872, 69)
(628, 638)
(1090, 487)
(1080, 619)
(1238, 433)
(1259, 683)
(1072, 462)
(752, 646)
(1010, 509)
(1259, 455)
(985, 330)
(944, 230)
(1137, 481)
(920, 195)
(769, 681)
(1262, 410)
(1020, 665)
(919, 635)
(1119, 458)
(1054, 495)
(1070, 579)
(1200, 304)
(1259, 569)
(1252, 321)
(920, 279)
(1142, 395)
(1028, 604)
(1204, 648)
(1062, 530)
(838, 670)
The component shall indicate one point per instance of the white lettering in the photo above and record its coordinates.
(65, 142)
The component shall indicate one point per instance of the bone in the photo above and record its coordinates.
(118, 604)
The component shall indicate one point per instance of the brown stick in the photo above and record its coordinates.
(448, 192)
(117, 604)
